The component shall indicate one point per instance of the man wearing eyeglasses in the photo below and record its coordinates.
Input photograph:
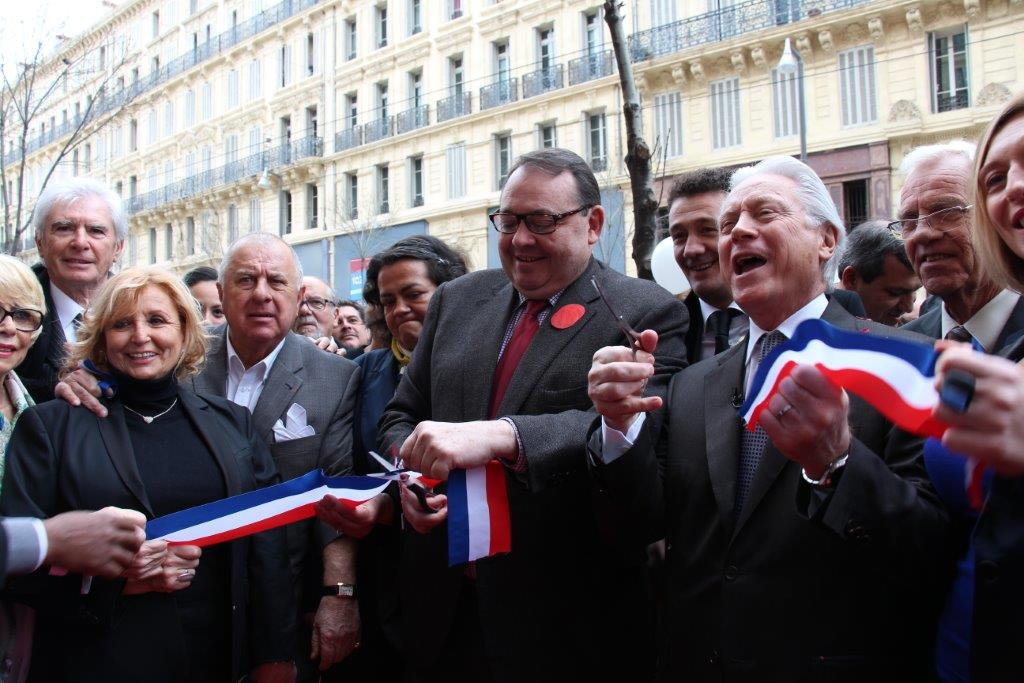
(316, 310)
(500, 372)
(935, 222)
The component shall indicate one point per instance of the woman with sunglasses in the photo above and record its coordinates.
(22, 306)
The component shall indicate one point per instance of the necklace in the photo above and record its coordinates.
(148, 419)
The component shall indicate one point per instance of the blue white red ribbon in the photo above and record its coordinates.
(262, 509)
(478, 518)
(897, 377)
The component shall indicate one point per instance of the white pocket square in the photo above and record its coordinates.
(294, 425)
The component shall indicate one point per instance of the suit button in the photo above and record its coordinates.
(731, 572)
(855, 530)
(713, 658)
(988, 571)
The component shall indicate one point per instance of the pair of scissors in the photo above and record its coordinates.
(394, 473)
(627, 330)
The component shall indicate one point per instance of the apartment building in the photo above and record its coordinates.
(344, 125)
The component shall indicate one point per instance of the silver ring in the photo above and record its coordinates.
(782, 413)
(186, 574)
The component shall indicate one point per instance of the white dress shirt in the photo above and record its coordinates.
(66, 309)
(988, 322)
(246, 384)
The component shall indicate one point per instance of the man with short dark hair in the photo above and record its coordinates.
(499, 373)
(874, 264)
(694, 202)
(350, 330)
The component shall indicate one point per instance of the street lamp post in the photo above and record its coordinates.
(792, 63)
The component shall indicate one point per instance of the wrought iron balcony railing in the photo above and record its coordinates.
(454, 106)
(233, 171)
(543, 80)
(503, 92)
(591, 67)
(725, 23)
(378, 129)
(348, 138)
(411, 119)
(951, 101)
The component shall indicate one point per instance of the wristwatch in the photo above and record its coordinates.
(339, 590)
(829, 476)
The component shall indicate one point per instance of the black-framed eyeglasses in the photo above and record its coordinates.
(316, 303)
(539, 223)
(942, 220)
(25, 319)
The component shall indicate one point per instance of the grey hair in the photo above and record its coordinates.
(927, 153)
(869, 244)
(69, 191)
(330, 290)
(264, 238)
(817, 202)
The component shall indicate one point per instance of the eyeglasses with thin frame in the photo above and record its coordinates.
(25, 319)
(942, 220)
(539, 223)
(316, 303)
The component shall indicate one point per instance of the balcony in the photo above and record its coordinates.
(497, 94)
(411, 119)
(543, 80)
(378, 130)
(949, 101)
(599, 164)
(348, 138)
(727, 22)
(454, 106)
(251, 166)
(591, 67)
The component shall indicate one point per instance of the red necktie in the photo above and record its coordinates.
(520, 340)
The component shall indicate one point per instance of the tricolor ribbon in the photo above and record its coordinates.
(897, 377)
(478, 518)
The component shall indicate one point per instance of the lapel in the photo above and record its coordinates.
(1014, 324)
(773, 462)
(550, 341)
(696, 329)
(278, 388)
(202, 419)
(486, 329)
(931, 322)
(722, 427)
(114, 433)
(213, 379)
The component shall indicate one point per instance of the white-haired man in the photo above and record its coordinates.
(800, 551)
(80, 227)
(935, 222)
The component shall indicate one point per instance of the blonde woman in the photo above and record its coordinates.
(162, 448)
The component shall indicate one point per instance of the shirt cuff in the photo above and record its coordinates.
(519, 466)
(26, 544)
(614, 443)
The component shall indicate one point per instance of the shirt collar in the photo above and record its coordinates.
(552, 300)
(988, 322)
(707, 309)
(811, 311)
(65, 307)
(267, 362)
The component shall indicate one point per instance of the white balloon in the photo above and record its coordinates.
(666, 271)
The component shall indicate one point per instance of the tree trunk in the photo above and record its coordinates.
(638, 152)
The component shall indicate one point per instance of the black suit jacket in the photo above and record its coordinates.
(795, 589)
(63, 458)
(44, 361)
(541, 604)
(696, 329)
(930, 325)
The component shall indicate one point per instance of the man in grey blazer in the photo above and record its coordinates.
(302, 400)
(809, 549)
(563, 604)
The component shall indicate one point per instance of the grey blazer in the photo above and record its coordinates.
(325, 385)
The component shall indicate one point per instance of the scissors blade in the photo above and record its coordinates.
(388, 467)
(627, 331)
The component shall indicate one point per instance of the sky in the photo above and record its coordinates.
(26, 22)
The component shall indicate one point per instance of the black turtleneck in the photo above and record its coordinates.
(179, 471)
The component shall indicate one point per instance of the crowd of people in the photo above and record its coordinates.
(652, 535)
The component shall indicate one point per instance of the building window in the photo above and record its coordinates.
(351, 112)
(285, 199)
(310, 55)
(416, 181)
(857, 86)
(547, 134)
(190, 108)
(382, 101)
(597, 143)
(668, 124)
(255, 79)
(546, 48)
(351, 39)
(133, 135)
(156, 23)
(455, 159)
(415, 17)
(207, 101)
(593, 33)
(454, 9)
(381, 24)
(856, 207)
(312, 206)
(456, 75)
(725, 113)
(284, 66)
(254, 215)
(950, 86)
(664, 11)
(169, 242)
(502, 158)
(383, 189)
(785, 104)
(190, 235)
(232, 89)
(151, 131)
(232, 223)
(351, 196)
(152, 245)
(416, 89)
